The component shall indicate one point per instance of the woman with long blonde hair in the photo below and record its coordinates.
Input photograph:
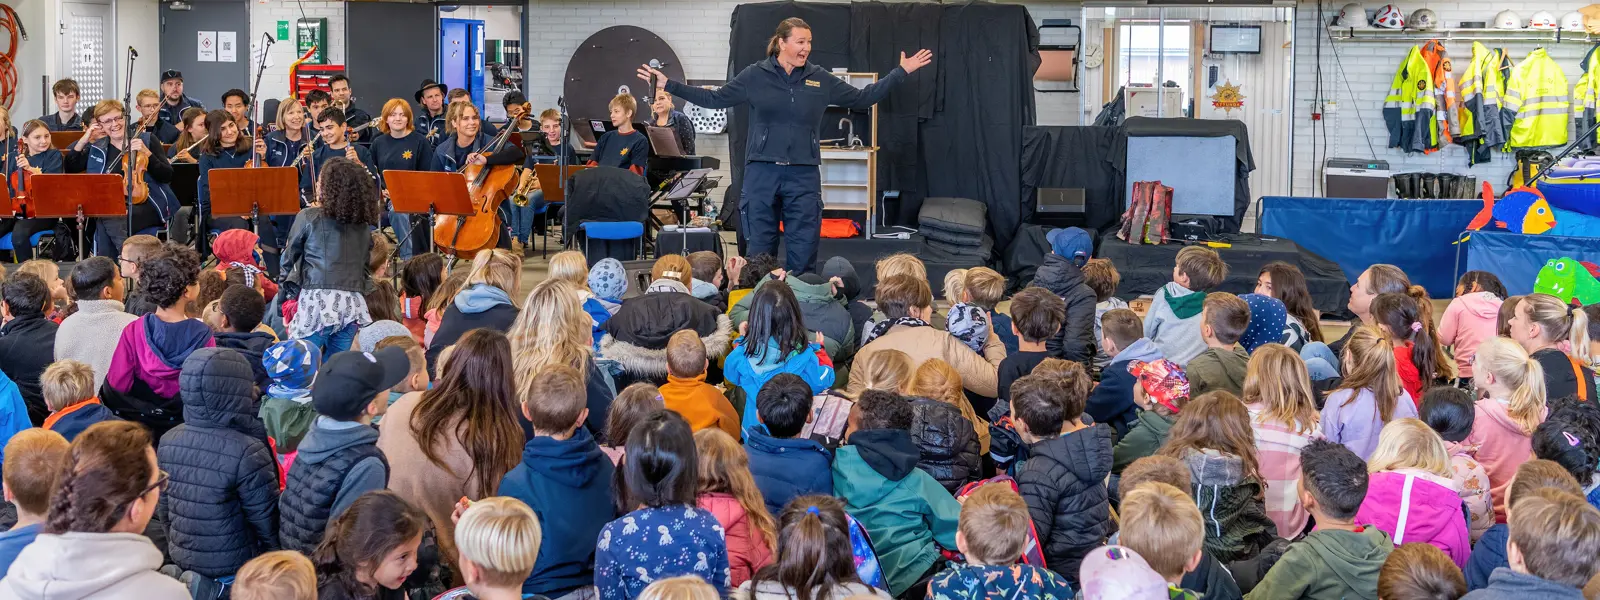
(1411, 490)
(729, 492)
(1213, 438)
(552, 329)
(937, 380)
(485, 300)
(1503, 421)
(1370, 396)
(1542, 325)
(1283, 416)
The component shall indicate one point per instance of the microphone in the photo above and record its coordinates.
(654, 64)
(132, 52)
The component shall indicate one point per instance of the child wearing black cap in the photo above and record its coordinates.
(339, 459)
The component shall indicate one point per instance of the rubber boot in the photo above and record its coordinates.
(1447, 185)
(1469, 188)
(1428, 186)
(1405, 185)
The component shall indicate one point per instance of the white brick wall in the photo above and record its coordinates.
(264, 17)
(1368, 68)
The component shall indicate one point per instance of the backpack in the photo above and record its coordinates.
(1032, 554)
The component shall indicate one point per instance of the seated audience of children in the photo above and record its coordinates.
(1063, 479)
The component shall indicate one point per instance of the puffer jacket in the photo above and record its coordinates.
(947, 444)
(1076, 341)
(747, 548)
(1237, 526)
(1063, 483)
(325, 254)
(636, 337)
(222, 500)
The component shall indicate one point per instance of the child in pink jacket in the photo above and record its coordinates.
(1505, 420)
(1471, 318)
(1411, 492)
(729, 492)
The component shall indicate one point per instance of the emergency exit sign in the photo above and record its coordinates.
(283, 30)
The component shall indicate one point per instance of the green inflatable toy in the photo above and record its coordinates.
(1568, 280)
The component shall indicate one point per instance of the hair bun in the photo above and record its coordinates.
(1418, 292)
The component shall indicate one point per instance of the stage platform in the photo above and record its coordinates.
(1145, 268)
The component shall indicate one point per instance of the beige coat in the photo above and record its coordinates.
(979, 374)
(421, 482)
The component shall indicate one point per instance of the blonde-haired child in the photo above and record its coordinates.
(886, 370)
(1411, 490)
(1504, 421)
(1542, 323)
(498, 541)
(278, 575)
(1283, 415)
(729, 492)
(1370, 395)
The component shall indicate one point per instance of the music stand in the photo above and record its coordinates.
(553, 182)
(76, 196)
(61, 140)
(429, 192)
(253, 192)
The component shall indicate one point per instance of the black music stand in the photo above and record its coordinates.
(252, 192)
(431, 193)
(76, 196)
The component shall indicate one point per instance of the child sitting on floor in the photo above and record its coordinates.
(1450, 413)
(966, 321)
(686, 391)
(1102, 277)
(1063, 478)
(1163, 525)
(69, 392)
(1222, 365)
(1340, 558)
(1213, 436)
(1111, 402)
(1160, 393)
(993, 533)
(1174, 320)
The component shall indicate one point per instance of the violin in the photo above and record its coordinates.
(465, 236)
(134, 165)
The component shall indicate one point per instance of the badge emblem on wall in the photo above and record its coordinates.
(1228, 98)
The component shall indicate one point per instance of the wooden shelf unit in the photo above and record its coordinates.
(850, 175)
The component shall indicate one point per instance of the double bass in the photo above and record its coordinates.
(488, 186)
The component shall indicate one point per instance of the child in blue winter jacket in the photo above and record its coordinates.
(774, 341)
(785, 464)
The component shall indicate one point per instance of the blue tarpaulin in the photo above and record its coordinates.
(1516, 258)
(1415, 235)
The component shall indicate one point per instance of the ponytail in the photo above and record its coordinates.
(1411, 320)
(1521, 374)
(1556, 318)
(1579, 335)
(813, 555)
(785, 29)
(1370, 366)
(1440, 369)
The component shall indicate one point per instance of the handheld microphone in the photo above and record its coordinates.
(132, 52)
(654, 64)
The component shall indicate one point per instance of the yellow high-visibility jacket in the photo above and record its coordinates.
(1537, 93)
(1483, 87)
(1408, 111)
(1585, 96)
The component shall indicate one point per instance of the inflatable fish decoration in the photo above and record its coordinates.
(1569, 280)
(1522, 210)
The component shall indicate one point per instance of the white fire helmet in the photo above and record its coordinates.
(1352, 15)
(1423, 20)
(1572, 21)
(1542, 20)
(1389, 17)
(1507, 20)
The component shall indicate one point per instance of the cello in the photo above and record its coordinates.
(488, 186)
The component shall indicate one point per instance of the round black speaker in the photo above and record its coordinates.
(607, 64)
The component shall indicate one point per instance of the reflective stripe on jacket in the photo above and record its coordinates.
(1408, 111)
(1584, 97)
(1537, 93)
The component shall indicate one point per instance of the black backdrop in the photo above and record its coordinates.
(953, 128)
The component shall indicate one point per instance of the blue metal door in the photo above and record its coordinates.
(454, 53)
(475, 68)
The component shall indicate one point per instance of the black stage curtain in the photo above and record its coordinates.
(952, 129)
(1074, 157)
(1147, 127)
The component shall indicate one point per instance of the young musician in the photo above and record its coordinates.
(663, 114)
(187, 146)
(334, 138)
(431, 121)
(625, 147)
(66, 117)
(100, 151)
(339, 89)
(173, 101)
(237, 103)
(316, 102)
(545, 151)
(149, 104)
(484, 127)
(225, 148)
(399, 147)
(466, 145)
(513, 102)
(34, 154)
(282, 148)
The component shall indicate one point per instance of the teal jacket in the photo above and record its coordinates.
(904, 510)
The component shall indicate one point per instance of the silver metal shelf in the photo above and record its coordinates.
(1535, 36)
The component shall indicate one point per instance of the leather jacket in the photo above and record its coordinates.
(324, 254)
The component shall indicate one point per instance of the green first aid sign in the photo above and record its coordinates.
(283, 30)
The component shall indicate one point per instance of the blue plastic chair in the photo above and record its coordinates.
(615, 231)
(33, 240)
